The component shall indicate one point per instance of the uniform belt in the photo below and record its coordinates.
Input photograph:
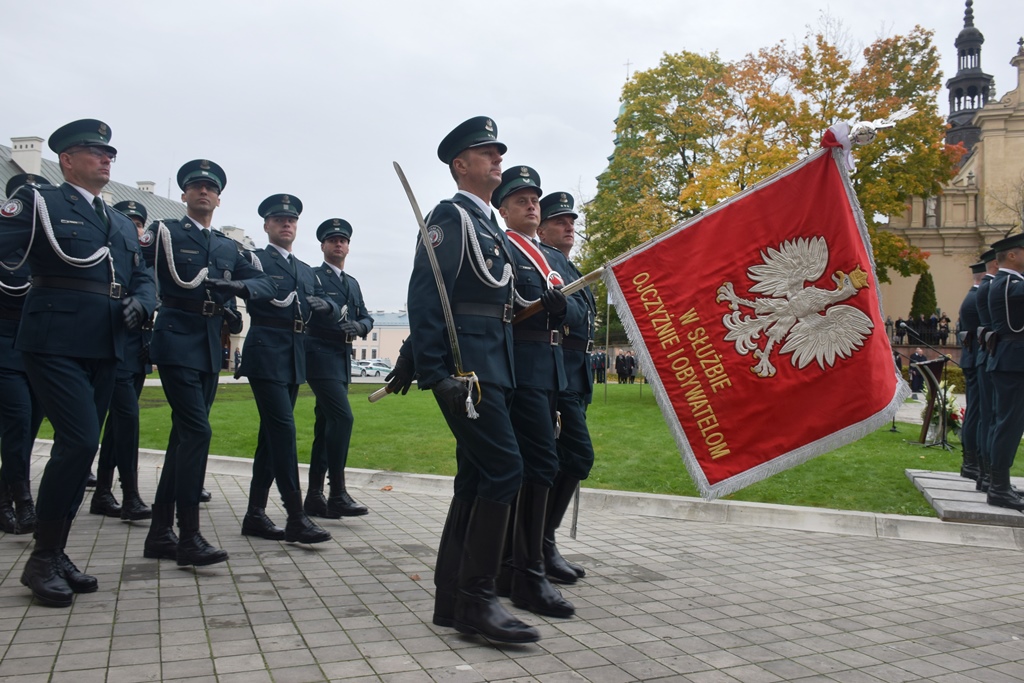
(499, 311)
(331, 335)
(587, 345)
(553, 337)
(1010, 336)
(296, 326)
(115, 290)
(206, 308)
(9, 314)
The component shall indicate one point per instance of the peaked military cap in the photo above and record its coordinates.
(513, 180)
(989, 255)
(202, 169)
(31, 179)
(332, 227)
(978, 268)
(1008, 243)
(132, 208)
(280, 205)
(557, 204)
(474, 132)
(84, 132)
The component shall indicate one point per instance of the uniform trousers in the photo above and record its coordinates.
(986, 401)
(190, 394)
(969, 432)
(575, 449)
(20, 417)
(276, 456)
(533, 420)
(120, 445)
(74, 394)
(1008, 414)
(332, 430)
(486, 452)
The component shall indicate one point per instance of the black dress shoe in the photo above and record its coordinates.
(77, 581)
(256, 523)
(343, 505)
(315, 504)
(204, 496)
(132, 507)
(90, 483)
(300, 528)
(104, 503)
(44, 576)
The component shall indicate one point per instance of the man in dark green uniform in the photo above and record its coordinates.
(328, 370)
(575, 449)
(89, 286)
(199, 271)
(274, 360)
(983, 432)
(967, 330)
(540, 376)
(20, 412)
(470, 349)
(1006, 368)
(120, 445)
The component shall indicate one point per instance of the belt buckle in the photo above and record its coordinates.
(209, 309)
(556, 337)
(299, 327)
(506, 313)
(116, 290)
(590, 346)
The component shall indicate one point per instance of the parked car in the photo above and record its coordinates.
(357, 370)
(375, 368)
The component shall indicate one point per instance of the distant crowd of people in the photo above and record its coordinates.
(910, 330)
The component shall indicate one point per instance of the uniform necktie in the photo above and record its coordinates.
(97, 204)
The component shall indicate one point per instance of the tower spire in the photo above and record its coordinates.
(970, 88)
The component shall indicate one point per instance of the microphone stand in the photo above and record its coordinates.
(943, 417)
(900, 368)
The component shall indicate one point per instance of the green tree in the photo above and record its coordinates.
(924, 301)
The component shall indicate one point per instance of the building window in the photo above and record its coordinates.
(373, 337)
(363, 355)
(373, 354)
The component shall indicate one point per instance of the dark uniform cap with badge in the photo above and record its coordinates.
(132, 208)
(1008, 243)
(30, 179)
(81, 133)
(557, 204)
(475, 132)
(513, 180)
(280, 205)
(202, 169)
(978, 268)
(333, 227)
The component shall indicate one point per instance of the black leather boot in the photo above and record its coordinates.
(43, 573)
(90, 483)
(132, 507)
(449, 555)
(8, 521)
(315, 504)
(103, 501)
(256, 523)
(300, 528)
(341, 504)
(161, 542)
(531, 589)
(969, 467)
(558, 568)
(205, 496)
(1000, 493)
(503, 582)
(193, 549)
(477, 608)
(24, 508)
(79, 582)
(982, 483)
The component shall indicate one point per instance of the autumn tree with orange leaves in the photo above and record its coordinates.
(696, 130)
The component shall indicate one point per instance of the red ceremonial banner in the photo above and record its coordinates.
(759, 326)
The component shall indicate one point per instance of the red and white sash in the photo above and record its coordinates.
(536, 257)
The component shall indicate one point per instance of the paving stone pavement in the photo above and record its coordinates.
(664, 600)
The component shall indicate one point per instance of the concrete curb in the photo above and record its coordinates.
(791, 517)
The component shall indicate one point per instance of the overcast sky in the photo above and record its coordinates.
(316, 99)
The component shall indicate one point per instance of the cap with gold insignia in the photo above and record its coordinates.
(202, 169)
(474, 132)
(81, 133)
(30, 179)
(513, 180)
(132, 208)
(1008, 243)
(978, 268)
(989, 255)
(333, 227)
(557, 204)
(280, 205)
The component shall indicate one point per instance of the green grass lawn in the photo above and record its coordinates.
(635, 451)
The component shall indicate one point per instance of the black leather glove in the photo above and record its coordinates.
(452, 393)
(353, 328)
(133, 312)
(401, 376)
(234, 320)
(554, 301)
(318, 305)
(229, 287)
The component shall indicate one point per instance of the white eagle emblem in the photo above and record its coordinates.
(816, 328)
